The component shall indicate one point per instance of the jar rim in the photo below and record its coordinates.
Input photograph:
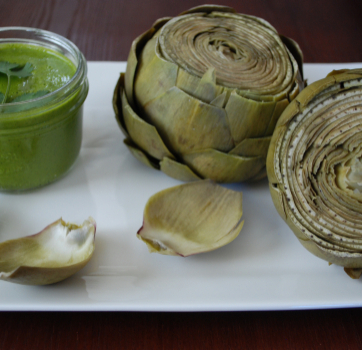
(58, 41)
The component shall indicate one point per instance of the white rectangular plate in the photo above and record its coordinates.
(265, 268)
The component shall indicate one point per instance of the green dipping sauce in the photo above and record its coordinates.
(40, 138)
(51, 70)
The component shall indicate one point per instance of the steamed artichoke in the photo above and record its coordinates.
(203, 91)
(314, 168)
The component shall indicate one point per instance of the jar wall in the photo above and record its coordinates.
(31, 160)
(40, 139)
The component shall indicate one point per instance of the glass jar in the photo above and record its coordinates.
(40, 139)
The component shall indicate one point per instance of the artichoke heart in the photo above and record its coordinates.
(50, 256)
(203, 92)
(314, 167)
(191, 218)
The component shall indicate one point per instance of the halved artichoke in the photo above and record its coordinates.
(50, 256)
(203, 91)
(314, 168)
(191, 218)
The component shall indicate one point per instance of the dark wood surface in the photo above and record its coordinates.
(327, 31)
(304, 330)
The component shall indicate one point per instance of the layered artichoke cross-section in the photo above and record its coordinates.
(315, 168)
(203, 91)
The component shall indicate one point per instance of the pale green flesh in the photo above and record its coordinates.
(60, 248)
(191, 218)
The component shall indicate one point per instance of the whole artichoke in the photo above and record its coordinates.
(203, 91)
(314, 168)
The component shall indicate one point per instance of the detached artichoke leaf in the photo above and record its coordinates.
(191, 218)
(208, 80)
(314, 168)
(50, 256)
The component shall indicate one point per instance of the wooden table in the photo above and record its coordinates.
(327, 31)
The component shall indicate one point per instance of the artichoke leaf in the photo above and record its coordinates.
(142, 133)
(204, 89)
(223, 167)
(132, 61)
(188, 124)
(292, 109)
(252, 147)
(191, 218)
(220, 101)
(297, 53)
(305, 97)
(50, 256)
(208, 9)
(260, 175)
(248, 118)
(347, 77)
(278, 200)
(154, 76)
(117, 105)
(273, 158)
(141, 155)
(278, 110)
(294, 92)
(353, 273)
(177, 170)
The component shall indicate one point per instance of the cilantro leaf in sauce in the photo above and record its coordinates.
(14, 70)
(30, 96)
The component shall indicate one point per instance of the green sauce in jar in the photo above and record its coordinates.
(51, 70)
(40, 138)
